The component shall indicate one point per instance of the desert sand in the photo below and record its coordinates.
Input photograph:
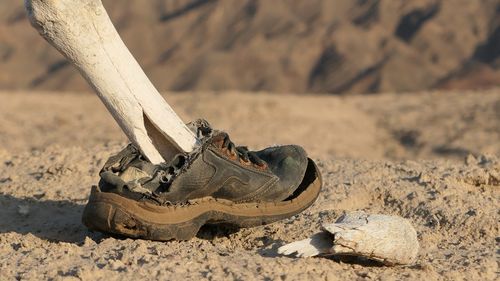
(432, 158)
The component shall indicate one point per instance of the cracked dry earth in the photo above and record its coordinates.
(53, 145)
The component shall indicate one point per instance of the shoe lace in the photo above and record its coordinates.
(204, 130)
(242, 152)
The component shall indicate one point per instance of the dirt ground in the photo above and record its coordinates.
(433, 158)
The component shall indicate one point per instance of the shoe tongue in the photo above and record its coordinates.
(201, 128)
(206, 134)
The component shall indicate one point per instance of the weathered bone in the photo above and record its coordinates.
(82, 31)
(388, 239)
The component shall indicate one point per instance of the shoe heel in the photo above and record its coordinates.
(97, 216)
(103, 216)
(112, 218)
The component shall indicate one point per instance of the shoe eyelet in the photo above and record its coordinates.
(245, 162)
(262, 166)
(232, 155)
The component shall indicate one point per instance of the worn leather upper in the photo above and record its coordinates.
(215, 170)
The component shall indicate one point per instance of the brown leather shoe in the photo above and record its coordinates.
(217, 183)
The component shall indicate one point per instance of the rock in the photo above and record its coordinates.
(283, 46)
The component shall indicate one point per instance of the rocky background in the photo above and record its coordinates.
(332, 46)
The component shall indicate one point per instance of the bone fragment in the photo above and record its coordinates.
(319, 243)
(388, 239)
(82, 31)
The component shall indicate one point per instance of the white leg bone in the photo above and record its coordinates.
(82, 31)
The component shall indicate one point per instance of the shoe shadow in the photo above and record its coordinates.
(212, 231)
(47, 219)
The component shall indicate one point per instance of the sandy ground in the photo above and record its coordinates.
(430, 157)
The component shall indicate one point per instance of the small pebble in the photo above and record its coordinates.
(23, 210)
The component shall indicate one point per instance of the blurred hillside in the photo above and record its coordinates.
(335, 46)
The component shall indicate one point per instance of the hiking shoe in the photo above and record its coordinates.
(217, 183)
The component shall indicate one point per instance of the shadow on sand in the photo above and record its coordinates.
(47, 219)
(61, 220)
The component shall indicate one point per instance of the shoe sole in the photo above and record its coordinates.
(112, 213)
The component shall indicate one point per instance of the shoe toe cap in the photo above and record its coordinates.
(289, 163)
